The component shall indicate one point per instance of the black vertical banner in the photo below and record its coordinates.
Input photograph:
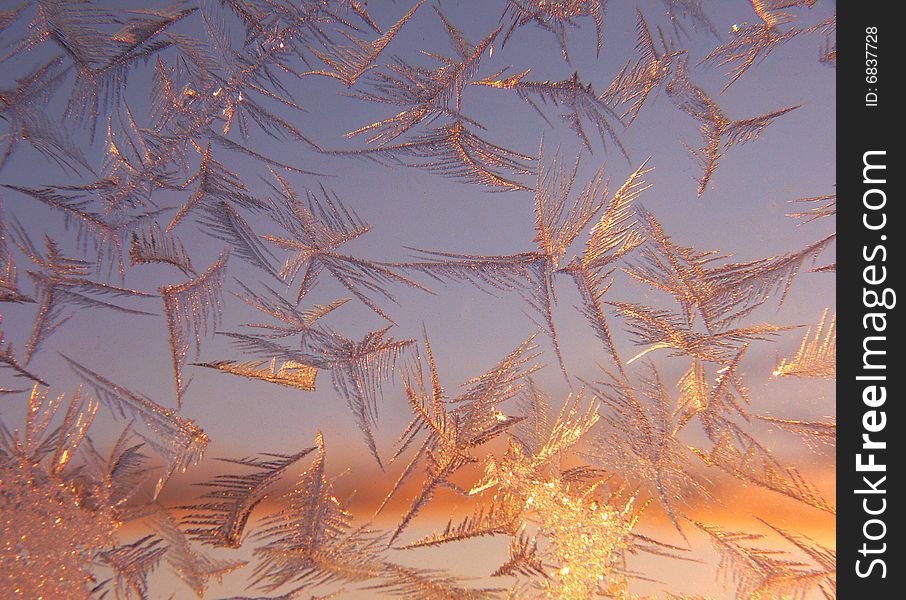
(869, 378)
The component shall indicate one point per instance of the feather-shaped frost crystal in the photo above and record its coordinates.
(290, 374)
(132, 564)
(817, 355)
(457, 152)
(179, 441)
(556, 17)
(689, 10)
(738, 453)
(155, 246)
(189, 307)
(637, 80)
(578, 100)
(220, 516)
(312, 540)
(812, 432)
(454, 427)
(648, 450)
(562, 212)
(9, 291)
(757, 571)
(717, 129)
(424, 94)
(358, 370)
(61, 286)
(319, 226)
(193, 567)
(719, 295)
(348, 63)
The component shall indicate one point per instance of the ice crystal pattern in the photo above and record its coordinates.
(193, 191)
